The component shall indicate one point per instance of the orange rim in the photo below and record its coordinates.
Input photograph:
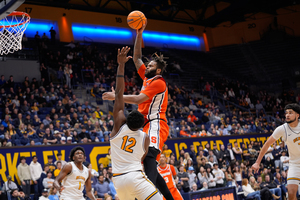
(15, 13)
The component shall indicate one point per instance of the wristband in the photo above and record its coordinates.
(121, 76)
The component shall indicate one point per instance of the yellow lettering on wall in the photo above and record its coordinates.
(252, 139)
(25, 154)
(232, 142)
(176, 150)
(196, 144)
(239, 141)
(63, 153)
(95, 152)
(219, 143)
(246, 142)
(45, 156)
(262, 139)
(3, 168)
(203, 144)
(12, 166)
(33, 153)
(182, 146)
(212, 144)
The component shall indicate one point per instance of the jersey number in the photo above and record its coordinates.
(79, 185)
(131, 141)
(166, 179)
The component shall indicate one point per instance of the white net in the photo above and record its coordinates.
(12, 28)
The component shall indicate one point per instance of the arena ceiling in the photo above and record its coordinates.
(208, 13)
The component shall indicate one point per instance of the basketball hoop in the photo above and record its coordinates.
(12, 28)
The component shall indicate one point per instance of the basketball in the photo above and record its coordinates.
(136, 19)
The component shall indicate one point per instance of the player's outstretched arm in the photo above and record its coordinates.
(137, 53)
(118, 112)
(62, 174)
(262, 152)
(88, 187)
(131, 99)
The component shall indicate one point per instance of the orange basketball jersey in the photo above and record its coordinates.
(168, 172)
(156, 89)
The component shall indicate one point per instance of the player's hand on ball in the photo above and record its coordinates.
(109, 95)
(141, 30)
(255, 167)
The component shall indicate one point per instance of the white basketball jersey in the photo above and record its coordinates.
(74, 183)
(127, 150)
(291, 136)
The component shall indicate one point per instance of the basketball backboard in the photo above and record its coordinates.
(8, 6)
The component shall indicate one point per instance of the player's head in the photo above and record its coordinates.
(135, 120)
(292, 112)
(156, 66)
(77, 154)
(162, 159)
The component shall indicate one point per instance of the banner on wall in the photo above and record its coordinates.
(227, 193)
(95, 152)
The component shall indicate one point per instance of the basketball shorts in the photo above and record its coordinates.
(293, 176)
(158, 131)
(135, 185)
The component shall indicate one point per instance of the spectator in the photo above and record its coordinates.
(59, 158)
(194, 188)
(237, 151)
(102, 187)
(49, 137)
(274, 188)
(205, 186)
(238, 175)
(48, 181)
(24, 176)
(193, 154)
(35, 172)
(192, 176)
(47, 120)
(44, 195)
(98, 112)
(9, 186)
(50, 163)
(166, 151)
(183, 179)
(232, 157)
(58, 169)
(211, 178)
(16, 195)
(219, 175)
(284, 160)
(52, 35)
(69, 140)
(53, 194)
(248, 190)
(280, 181)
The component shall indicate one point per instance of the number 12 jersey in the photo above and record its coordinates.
(127, 150)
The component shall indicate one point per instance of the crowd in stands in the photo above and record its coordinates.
(208, 168)
(38, 179)
(40, 112)
(198, 169)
